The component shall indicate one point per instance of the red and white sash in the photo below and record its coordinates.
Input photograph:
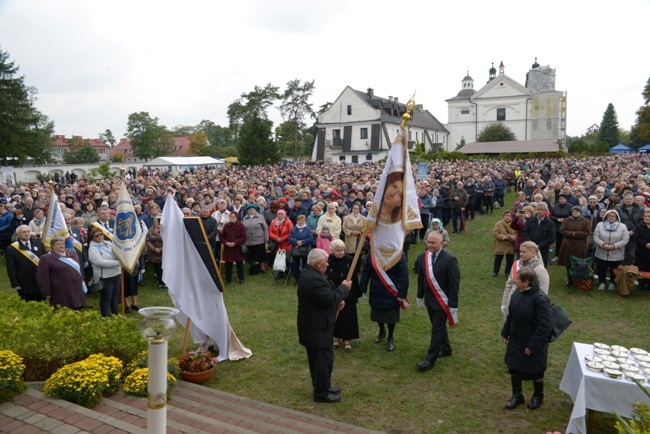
(437, 292)
(515, 269)
(388, 284)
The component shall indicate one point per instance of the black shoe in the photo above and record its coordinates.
(515, 401)
(135, 308)
(389, 345)
(425, 365)
(568, 283)
(380, 337)
(335, 390)
(444, 354)
(330, 398)
(127, 309)
(495, 274)
(535, 402)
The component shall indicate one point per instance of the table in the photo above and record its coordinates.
(593, 391)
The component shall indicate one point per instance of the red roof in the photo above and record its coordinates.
(180, 149)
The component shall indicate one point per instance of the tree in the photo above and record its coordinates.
(641, 128)
(107, 138)
(118, 157)
(296, 106)
(461, 144)
(608, 131)
(198, 143)
(25, 133)
(323, 108)
(254, 143)
(218, 136)
(148, 138)
(496, 132)
(248, 105)
(80, 152)
(103, 171)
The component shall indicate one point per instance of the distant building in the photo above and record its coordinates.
(360, 126)
(180, 148)
(534, 111)
(62, 146)
(593, 129)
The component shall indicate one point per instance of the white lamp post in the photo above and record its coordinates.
(156, 327)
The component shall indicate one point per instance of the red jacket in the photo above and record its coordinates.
(282, 232)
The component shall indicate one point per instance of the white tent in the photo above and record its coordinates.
(184, 162)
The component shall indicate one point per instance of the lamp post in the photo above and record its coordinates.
(156, 327)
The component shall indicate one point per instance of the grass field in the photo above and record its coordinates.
(383, 390)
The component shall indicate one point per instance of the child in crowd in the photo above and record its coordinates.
(324, 239)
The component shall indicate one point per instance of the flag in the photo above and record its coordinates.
(395, 209)
(193, 289)
(55, 225)
(128, 236)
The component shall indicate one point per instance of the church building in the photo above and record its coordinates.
(534, 111)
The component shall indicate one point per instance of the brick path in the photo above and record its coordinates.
(193, 409)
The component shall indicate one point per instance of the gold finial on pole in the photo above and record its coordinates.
(410, 105)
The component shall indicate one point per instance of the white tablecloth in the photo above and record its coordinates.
(593, 391)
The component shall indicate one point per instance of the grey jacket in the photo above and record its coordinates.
(257, 231)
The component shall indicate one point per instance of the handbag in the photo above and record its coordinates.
(302, 251)
(272, 245)
(95, 287)
(244, 249)
(280, 261)
(559, 322)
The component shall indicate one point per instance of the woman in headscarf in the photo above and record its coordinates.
(352, 227)
(37, 224)
(332, 220)
(519, 224)
(257, 235)
(233, 237)
(575, 232)
(107, 268)
(436, 226)
(610, 239)
(347, 322)
(530, 257)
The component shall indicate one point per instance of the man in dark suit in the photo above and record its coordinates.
(318, 302)
(22, 264)
(438, 283)
(104, 222)
(540, 230)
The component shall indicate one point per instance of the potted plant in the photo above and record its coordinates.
(197, 367)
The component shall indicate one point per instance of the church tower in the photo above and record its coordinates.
(493, 73)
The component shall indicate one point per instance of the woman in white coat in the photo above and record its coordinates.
(610, 238)
(106, 268)
(529, 258)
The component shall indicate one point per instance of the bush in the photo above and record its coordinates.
(142, 361)
(48, 339)
(136, 383)
(83, 383)
(11, 373)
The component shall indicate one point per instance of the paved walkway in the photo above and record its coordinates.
(192, 409)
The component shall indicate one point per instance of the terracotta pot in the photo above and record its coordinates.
(197, 377)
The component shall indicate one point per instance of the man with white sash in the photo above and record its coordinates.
(438, 283)
(104, 223)
(22, 263)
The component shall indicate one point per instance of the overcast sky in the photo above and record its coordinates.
(95, 62)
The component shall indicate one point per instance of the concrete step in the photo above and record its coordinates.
(193, 409)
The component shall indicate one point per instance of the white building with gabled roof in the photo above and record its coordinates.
(360, 126)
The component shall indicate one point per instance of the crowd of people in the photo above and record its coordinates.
(575, 207)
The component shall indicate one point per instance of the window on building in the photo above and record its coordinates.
(342, 158)
(364, 133)
(410, 135)
(336, 137)
(464, 112)
(501, 114)
(349, 110)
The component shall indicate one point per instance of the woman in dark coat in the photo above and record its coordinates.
(384, 306)
(641, 237)
(559, 212)
(526, 332)
(575, 231)
(347, 323)
(154, 243)
(60, 276)
(233, 237)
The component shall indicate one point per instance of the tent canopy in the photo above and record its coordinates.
(646, 148)
(620, 148)
(184, 161)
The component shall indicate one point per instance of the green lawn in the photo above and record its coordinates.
(464, 393)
